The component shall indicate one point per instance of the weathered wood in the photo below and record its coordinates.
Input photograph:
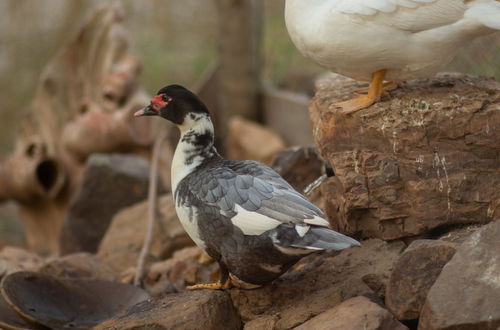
(240, 23)
(83, 105)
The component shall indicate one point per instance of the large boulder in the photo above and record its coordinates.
(466, 295)
(249, 140)
(423, 158)
(318, 283)
(196, 310)
(358, 313)
(122, 244)
(414, 274)
(109, 183)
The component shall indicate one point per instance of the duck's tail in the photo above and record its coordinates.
(486, 12)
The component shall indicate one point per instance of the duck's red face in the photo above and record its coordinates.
(157, 103)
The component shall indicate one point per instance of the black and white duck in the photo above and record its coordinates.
(242, 213)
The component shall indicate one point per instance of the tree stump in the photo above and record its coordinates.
(424, 158)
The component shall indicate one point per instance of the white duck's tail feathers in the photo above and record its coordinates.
(486, 12)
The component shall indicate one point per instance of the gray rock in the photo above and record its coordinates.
(466, 294)
(414, 273)
(192, 310)
(110, 183)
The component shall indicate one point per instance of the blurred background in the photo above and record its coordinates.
(176, 41)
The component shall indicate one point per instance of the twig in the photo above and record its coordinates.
(152, 208)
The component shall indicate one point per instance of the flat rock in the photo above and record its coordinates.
(121, 246)
(466, 295)
(109, 183)
(319, 282)
(191, 310)
(422, 158)
(81, 265)
(358, 313)
(13, 259)
(187, 266)
(414, 273)
(249, 140)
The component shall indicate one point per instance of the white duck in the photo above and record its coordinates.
(373, 40)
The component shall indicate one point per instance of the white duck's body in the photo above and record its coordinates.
(406, 38)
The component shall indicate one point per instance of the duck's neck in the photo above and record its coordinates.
(195, 146)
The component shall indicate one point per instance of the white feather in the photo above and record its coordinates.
(295, 251)
(301, 229)
(188, 217)
(317, 221)
(253, 223)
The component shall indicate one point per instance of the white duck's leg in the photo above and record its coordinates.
(375, 91)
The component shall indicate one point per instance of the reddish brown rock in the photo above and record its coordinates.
(13, 259)
(192, 310)
(78, 265)
(357, 313)
(466, 294)
(317, 283)
(299, 166)
(425, 157)
(123, 241)
(414, 273)
(187, 266)
(249, 140)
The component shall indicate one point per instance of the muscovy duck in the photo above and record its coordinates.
(242, 213)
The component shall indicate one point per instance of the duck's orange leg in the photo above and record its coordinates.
(228, 284)
(375, 91)
(388, 86)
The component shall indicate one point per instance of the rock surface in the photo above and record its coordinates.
(121, 246)
(425, 157)
(195, 310)
(249, 140)
(358, 313)
(13, 259)
(109, 183)
(466, 294)
(414, 273)
(78, 265)
(320, 282)
(187, 266)
(299, 166)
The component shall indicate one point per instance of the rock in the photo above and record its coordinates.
(357, 313)
(186, 267)
(300, 166)
(414, 273)
(423, 158)
(78, 265)
(109, 183)
(249, 140)
(319, 282)
(192, 310)
(262, 323)
(121, 246)
(13, 259)
(466, 295)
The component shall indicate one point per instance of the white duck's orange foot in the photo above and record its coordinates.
(388, 86)
(375, 91)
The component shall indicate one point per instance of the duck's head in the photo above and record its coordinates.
(176, 104)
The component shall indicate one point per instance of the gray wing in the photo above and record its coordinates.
(254, 196)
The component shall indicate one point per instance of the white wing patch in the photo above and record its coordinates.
(302, 229)
(188, 217)
(295, 251)
(253, 223)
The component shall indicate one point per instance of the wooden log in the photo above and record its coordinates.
(240, 24)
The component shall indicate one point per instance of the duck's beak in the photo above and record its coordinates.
(147, 111)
